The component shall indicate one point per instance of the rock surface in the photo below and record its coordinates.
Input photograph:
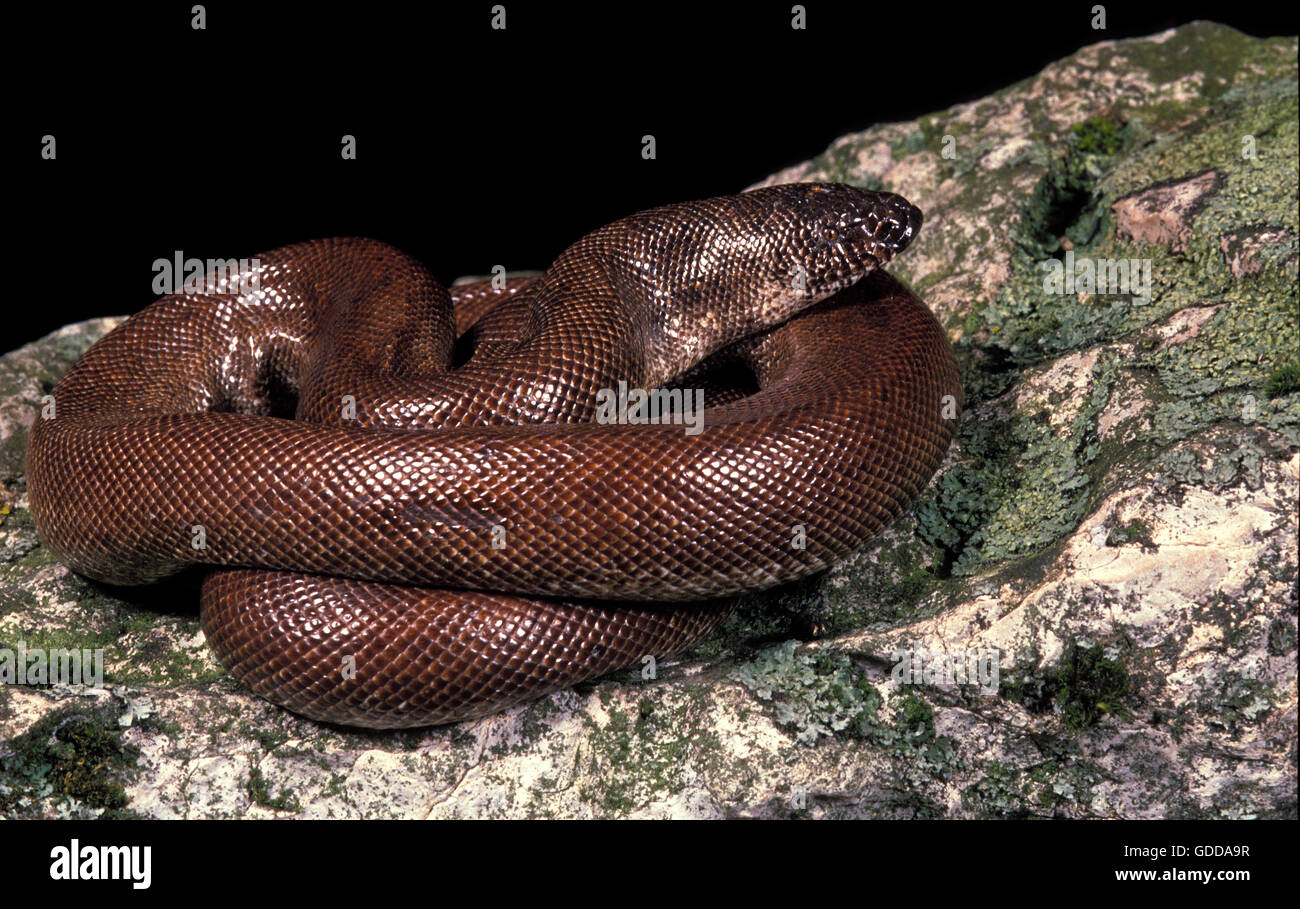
(1114, 529)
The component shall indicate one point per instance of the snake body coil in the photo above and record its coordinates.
(415, 529)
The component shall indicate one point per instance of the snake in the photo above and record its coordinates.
(416, 505)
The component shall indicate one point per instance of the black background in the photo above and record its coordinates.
(475, 147)
(918, 863)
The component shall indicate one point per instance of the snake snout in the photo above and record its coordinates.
(892, 222)
(875, 225)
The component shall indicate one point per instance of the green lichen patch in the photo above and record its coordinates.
(1098, 136)
(1245, 701)
(1008, 792)
(812, 695)
(910, 144)
(1284, 381)
(1135, 531)
(140, 647)
(824, 699)
(1088, 684)
(71, 764)
(259, 791)
(144, 643)
(635, 757)
(917, 718)
(1041, 790)
(1022, 483)
(1281, 637)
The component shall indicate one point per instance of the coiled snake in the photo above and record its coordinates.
(445, 528)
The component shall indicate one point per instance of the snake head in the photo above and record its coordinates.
(704, 274)
(840, 234)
